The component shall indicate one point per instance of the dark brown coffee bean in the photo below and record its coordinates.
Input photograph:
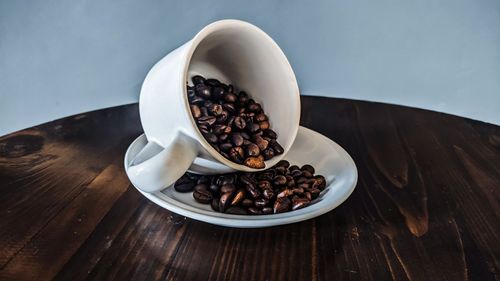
(212, 82)
(264, 184)
(228, 187)
(260, 142)
(252, 190)
(320, 182)
(264, 125)
(204, 180)
(293, 168)
(204, 111)
(298, 190)
(270, 133)
(315, 193)
(285, 193)
(230, 97)
(223, 138)
(243, 98)
(221, 129)
(215, 204)
(307, 174)
(211, 138)
(215, 109)
(280, 170)
(239, 123)
(290, 182)
(255, 162)
(254, 107)
(236, 211)
(202, 90)
(247, 202)
(184, 185)
(217, 93)
(279, 180)
(238, 197)
(254, 211)
(237, 139)
(267, 210)
(268, 153)
(304, 185)
(283, 163)
(307, 195)
(268, 194)
(282, 205)
(225, 201)
(252, 149)
(201, 187)
(197, 79)
(215, 189)
(222, 118)
(208, 104)
(237, 154)
(225, 147)
(253, 128)
(195, 110)
(260, 117)
(299, 203)
(202, 196)
(296, 173)
(308, 167)
(229, 107)
(206, 120)
(261, 203)
(278, 149)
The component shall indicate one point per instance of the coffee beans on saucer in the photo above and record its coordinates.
(232, 122)
(279, 189)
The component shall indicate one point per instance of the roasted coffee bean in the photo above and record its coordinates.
(238, 197)
(320, 182)
(228, 187)
(215, 189)
(225, 201)
(303, 185)
(307, 174)
(252, 190)
(247, 179)
(264, 184)
(201, 187)
(239, 123)
(297, 173)
(211, 138)
(221, 129)
(204, 180)
(237, 154)
(281, 205)
(206, 120)
(315, 193)
(223, 139)
(254, 107)
(278, 149)
(299, 203)
(237, 139)
(199, 101)
(208, 104)
(268, 153)
(215, 109)
(298, 190)
(252, 149)
(222, 118)
(202, 196)
(195, 110)
(215, 204)
(283, 163)
(308, 167)
(268, 194)
(260, 117)
(212, 82)
(267, 210)
(225, 147)
(236, 211)
(245, 135)
(197, 79)
(271, 134)
(293, 168)
(279, 180)
(254, 211)
(229, 107)
(184, 184)
(264, 125)
(217, 93)
(285, 193)
(230, 97)
(261, 203)
(247, 202)
(253, 128)
(204, 112)
(202, 91)
(255, 162)
(280, 170)
(260, 142)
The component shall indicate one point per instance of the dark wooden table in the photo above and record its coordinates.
(426, 207)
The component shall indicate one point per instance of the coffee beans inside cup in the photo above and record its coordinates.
(279, 189)
(232, 122)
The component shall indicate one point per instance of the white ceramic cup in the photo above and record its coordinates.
(234, 52)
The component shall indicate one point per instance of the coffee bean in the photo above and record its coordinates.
(199, 101)
(299, 203)
(307, 195)
(225, 201)
(211, 138)
(315, 193)
(197, 79)
(245, 135)
(206, 120)
(252, 190)
(298, 190)
(238, 197)
(237, 139)
(252, 149)
(283, 163)
(237, 154)
(229, 107)
(320, 182)
(230, 97)
(260, 117)
(281, 205)
(228, 187)
(279, 180)
(217, 93)
(221, 129)
(285, 193)
(260, 142)
(294, 168)
(204, 180)
(254, 211)
(236, 211)
(255, 162)
(280, 170)
(268, 153)
(225, 147)
(267, 210)
(297, 173)
(307, 174)
(268, 194)
(215, 189)
(247, 202)
(202, 91)
(201, 187)
(202, 196)
(215, 109)
(215, 204)
(212, 82)
(278, 149)
(254, 107)
(253, 128)
(270, 133)
(264, 184)
(239, 123)
(195, 110)
(264, 125)
(261, 203)
(184, 184)
(243, 99)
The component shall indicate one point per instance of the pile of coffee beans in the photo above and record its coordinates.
(279, 189)
(233, 123)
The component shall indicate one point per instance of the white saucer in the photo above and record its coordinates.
(310, 147)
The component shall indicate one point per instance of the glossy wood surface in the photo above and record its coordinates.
(426, 207)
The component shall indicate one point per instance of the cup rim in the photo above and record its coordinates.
(197, 39)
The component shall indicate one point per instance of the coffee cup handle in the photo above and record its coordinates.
(162, 165)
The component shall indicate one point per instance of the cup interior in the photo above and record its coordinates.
(241, 54)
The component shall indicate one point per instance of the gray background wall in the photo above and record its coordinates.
(63, 57)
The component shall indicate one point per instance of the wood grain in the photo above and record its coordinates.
(427, 206)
